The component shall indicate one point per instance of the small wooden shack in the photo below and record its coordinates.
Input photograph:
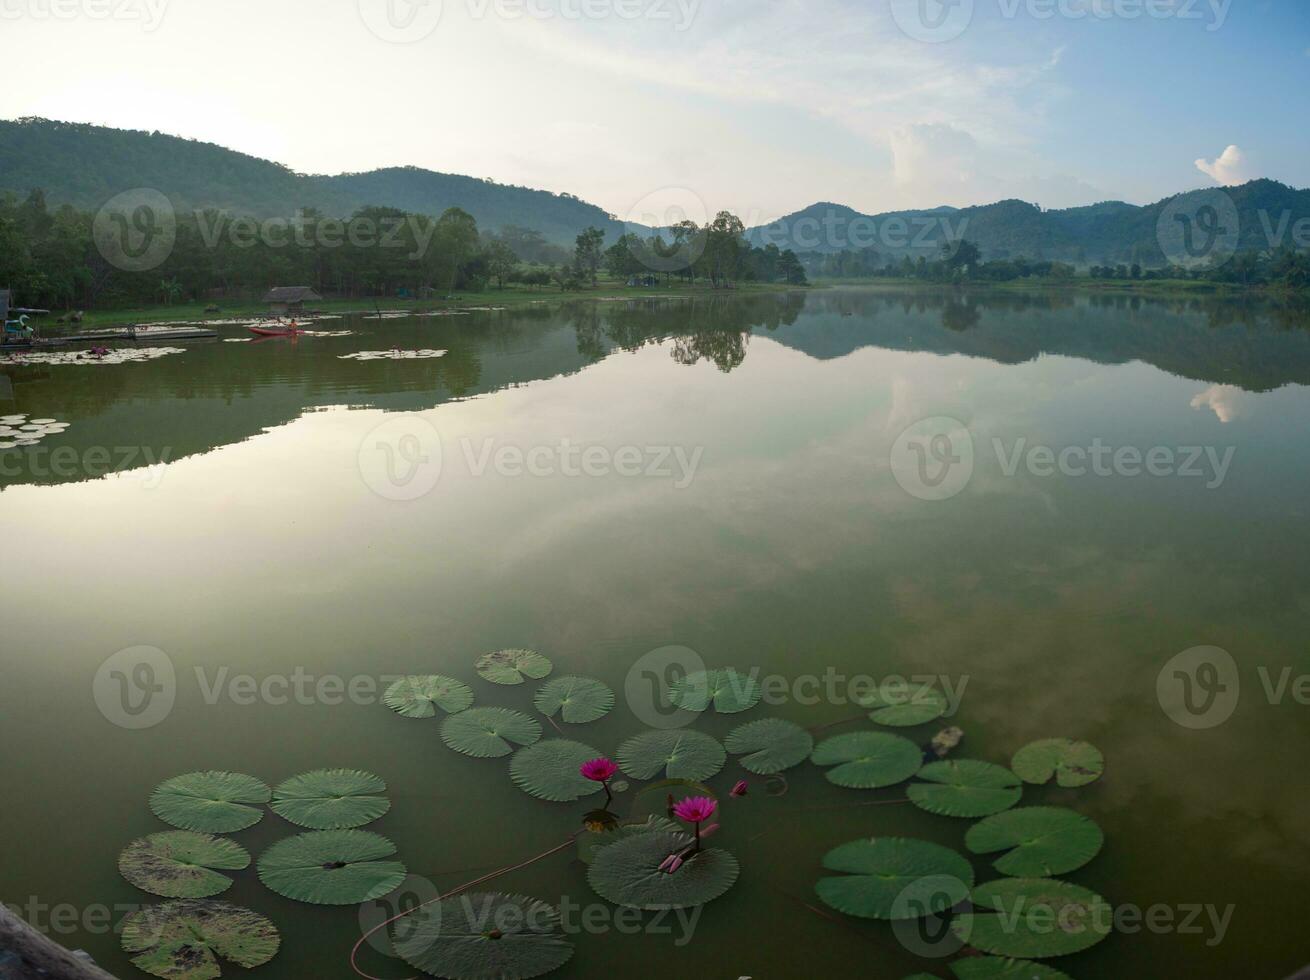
(290, 299)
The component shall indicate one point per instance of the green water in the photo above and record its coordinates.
(271, 544)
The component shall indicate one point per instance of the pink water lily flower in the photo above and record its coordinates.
(741, 789)
(672, 864)
(695, 809)
(598, 770)
(709, 831)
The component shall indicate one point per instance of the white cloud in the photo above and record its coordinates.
(1231, 167)
(1222, 400)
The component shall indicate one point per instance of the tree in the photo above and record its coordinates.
(789, 266)
(587, 257)
(723, 247)
(500, 261)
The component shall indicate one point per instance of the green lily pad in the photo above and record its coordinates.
(179, 864)
(677, 753)
(184, 940)
(489, 733)
(999, 968)
(510, 667)
(904, 705)
(332, 867)
(1046, 840)
(549, 770)
(965, 788)
(577, 700)
(331, 799)
(773, 745)
(1072, 764)
(868, 760)
(893, 878)
(628, 873)
(486, 937)
(1033, 918)
(729, 691)
(420, 697)
(211, 802)
(590, 843)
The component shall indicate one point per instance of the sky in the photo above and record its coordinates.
(760, 106)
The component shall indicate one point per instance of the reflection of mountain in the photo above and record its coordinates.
(220, 394)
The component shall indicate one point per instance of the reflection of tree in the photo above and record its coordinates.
(726, 349)
(960, 316)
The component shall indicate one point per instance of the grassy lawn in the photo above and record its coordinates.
(508, 297)
(1153, 286)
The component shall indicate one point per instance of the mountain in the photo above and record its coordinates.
(86, 165)
(1111, 232)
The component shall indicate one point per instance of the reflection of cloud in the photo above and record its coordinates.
(1222, 399)
(1229, 168)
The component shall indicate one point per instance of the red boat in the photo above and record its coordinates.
(291, 330)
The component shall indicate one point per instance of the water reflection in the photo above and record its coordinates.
(219, 394)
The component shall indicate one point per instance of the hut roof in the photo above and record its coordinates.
(292, 294)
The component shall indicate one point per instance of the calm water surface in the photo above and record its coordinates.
(261, 549)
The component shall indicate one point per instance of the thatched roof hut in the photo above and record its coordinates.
(291, 299)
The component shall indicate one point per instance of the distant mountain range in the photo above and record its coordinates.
(86, 165)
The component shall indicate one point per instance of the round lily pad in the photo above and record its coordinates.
(965, 788)
(999, 968)
(1071, 763)
(577, 700)
(511, 667)
(628, 872)
(211, 802)
(420, 697)
(1033, 918)
(1046, 840)
(179, 864)
(894, 878)
(332, 867)
(185, 940)
(677, 753)
(489, 733)
(331, 799)
(770, 746)
(729, 691)
(549, 770)
(898, 704)
(486, 937)
(868, 760)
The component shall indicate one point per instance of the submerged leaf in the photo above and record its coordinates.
(894, 878)
(677, 753)
(549, 770)
(578, 700)
(771, 746)
(1071, 763)
(965, 788)
(184, 940)
(729, 691)
(511, 667)
(868, 760)
(899, 704)
(1047, 840)
(178, 864)
(331, 799)
(486, 937)
(1033, 918)
(489, 733)
(998, 968)
(332, 867)
(628, 872)
(211, 802)
(420, 697)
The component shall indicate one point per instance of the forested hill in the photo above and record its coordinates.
(1108, 232)
(85, 165)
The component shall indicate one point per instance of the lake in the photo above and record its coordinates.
(1037, 500)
